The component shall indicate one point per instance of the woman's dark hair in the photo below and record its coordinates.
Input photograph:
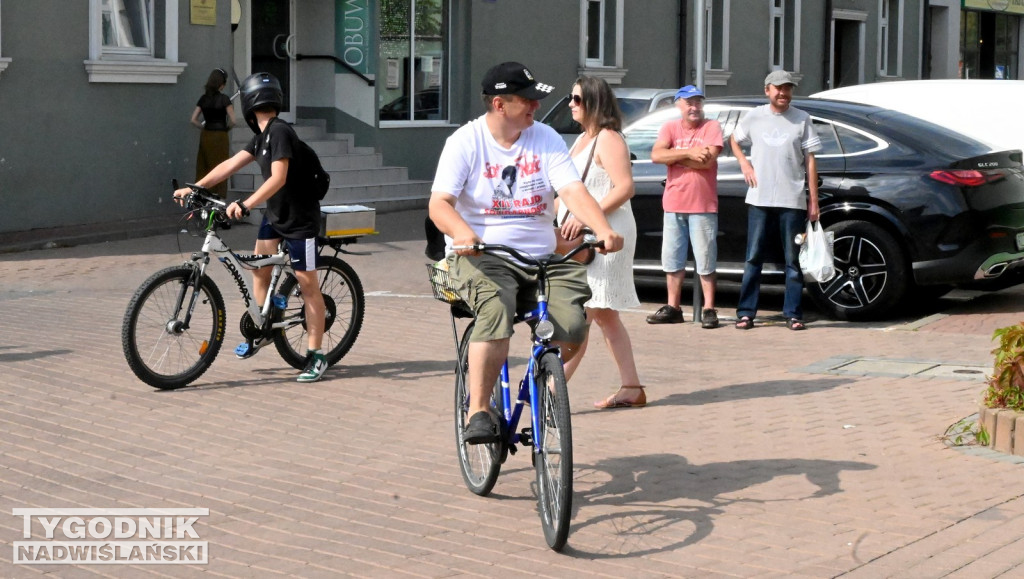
(599, 104)
(217, 79)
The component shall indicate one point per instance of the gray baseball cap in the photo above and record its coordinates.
(779, 78)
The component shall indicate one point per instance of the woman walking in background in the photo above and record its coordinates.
(602, 159)
(218, 117)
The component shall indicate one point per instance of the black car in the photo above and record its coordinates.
(915, 209)
(428, 106)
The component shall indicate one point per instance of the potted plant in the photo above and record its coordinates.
(1006, 386)
(1001, 417)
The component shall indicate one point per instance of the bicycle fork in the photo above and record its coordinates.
(198, 270)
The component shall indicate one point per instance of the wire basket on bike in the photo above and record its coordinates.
(445, 291)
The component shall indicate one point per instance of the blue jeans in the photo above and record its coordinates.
(790, 222)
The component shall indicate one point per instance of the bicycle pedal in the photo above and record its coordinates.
(526, 436)
(246, 350)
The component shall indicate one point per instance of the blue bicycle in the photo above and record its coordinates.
(542, 387)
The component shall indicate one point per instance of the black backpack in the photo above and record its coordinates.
(309, 174)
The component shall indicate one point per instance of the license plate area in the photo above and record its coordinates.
(1020, 241)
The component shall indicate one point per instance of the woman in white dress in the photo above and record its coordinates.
(601, 153)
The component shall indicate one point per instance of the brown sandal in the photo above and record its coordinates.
(613, 402)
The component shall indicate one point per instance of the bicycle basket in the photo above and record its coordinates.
(444, 289)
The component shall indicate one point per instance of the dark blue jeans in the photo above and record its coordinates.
(790, 222)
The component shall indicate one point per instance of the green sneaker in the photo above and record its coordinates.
(316, 365)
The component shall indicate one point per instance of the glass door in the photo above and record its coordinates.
(272, 43)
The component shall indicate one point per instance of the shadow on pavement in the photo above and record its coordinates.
(751, 390)
(9, 357)
(649, 511)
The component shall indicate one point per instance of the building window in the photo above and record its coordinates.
(890, 37)
(601, 39)
(989, 45)
(127, 27)
(784, 35)
(716, 42)
(133, 41)
(4, 62)
(413, 61)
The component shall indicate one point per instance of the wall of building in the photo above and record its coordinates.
(76, 152)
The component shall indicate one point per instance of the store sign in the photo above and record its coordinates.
(354, 34)
(1006, 6)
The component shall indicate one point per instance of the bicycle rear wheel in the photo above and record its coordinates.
(554, 464)
(480, 463)
(344, 305)
(159, 350)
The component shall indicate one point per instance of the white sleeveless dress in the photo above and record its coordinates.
(610, 276)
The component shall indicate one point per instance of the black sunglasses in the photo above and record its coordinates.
(575, 98)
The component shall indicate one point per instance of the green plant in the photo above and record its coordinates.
(1006, 386)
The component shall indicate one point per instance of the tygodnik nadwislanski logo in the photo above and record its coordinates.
(110, 536)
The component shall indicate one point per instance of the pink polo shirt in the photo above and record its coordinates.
(691, 190)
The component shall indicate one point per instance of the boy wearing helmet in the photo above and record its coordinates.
(292, 215)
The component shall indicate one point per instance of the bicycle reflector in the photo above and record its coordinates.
(545, 330)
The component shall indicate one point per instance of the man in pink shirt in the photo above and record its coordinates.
(690, 148)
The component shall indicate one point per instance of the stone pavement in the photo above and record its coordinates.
(747, 462)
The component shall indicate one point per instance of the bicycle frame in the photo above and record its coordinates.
(528, 384)
(234, 263)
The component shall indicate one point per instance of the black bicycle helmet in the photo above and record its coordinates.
(259, 90)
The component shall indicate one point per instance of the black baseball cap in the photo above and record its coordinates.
(514, 78)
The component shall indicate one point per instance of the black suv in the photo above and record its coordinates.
(915, 208)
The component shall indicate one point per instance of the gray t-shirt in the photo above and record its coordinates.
(778, 143)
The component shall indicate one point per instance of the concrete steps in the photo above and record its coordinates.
(358, 174)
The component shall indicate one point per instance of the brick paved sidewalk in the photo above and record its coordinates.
(744, 464)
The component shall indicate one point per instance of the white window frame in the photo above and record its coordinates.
(777, 14)
(716, 76)
(885, 29)
(777, 18)
(134, 65)
(4, 62)
(612, 72)
(777, 24)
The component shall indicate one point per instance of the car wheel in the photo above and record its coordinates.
(871, 273)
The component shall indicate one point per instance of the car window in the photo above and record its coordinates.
(853, 141)
(632, 109)
(829, 140)
(663, 103)
(641, 137)
(560, 118)
(728, 119)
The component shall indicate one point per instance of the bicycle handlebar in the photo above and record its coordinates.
(589, 240)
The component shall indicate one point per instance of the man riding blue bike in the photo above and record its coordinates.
(496, 182)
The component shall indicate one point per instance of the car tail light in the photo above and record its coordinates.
(967, 178)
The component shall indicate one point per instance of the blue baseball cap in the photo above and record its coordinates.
(688, 91)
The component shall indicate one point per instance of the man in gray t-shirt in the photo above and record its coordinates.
(782, 144)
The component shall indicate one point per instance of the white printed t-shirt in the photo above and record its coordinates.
(506, 195)
(778, 143)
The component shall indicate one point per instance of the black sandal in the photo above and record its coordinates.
(744, 323)
(795, 324)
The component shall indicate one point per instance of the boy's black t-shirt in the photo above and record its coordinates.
(292, 213)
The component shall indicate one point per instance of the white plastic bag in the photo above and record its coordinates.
(816, 260)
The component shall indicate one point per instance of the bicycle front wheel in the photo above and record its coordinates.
(344, 308)
(480, 463)
(554, 462)
(159, 349)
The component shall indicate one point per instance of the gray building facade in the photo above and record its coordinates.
(96, 105)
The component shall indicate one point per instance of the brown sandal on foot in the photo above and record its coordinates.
(613, 402)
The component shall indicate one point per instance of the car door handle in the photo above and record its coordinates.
(664, 182)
